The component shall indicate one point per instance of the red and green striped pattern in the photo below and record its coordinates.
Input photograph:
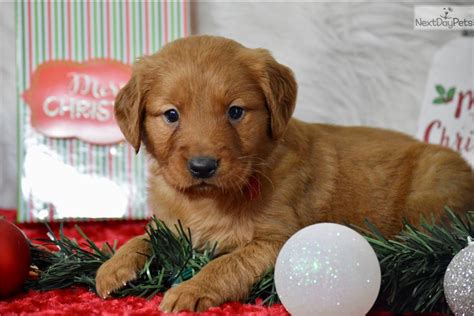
(79, 31)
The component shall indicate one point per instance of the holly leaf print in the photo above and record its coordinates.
(438, 100)
(441, 90)
(450, 94)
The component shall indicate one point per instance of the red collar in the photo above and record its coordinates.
(253, 187)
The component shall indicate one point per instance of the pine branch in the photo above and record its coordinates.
(70, 265)
(415, 261)
(265, 290)
(172, 260)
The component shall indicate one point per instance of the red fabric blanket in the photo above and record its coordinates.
(77, 301)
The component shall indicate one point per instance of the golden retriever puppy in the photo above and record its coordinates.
(227, 159)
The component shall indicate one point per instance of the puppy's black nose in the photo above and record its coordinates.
(202, 167)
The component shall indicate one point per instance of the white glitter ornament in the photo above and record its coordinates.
(459, 282)
(327, 269)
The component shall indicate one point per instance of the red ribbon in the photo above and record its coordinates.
(253, 188)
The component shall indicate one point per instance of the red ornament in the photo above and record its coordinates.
(14, 258)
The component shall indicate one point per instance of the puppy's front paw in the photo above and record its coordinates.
(116, 272)
(190, 297)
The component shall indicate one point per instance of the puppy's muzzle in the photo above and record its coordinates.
(203, 167)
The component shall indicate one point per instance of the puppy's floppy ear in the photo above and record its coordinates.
(280, 89)
(129, 112)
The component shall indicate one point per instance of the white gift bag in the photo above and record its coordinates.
(447, 114)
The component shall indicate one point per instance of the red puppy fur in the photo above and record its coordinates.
(307, 173)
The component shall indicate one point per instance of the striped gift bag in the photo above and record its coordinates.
(73, 57)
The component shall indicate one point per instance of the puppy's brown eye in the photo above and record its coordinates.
(171, 116)
(235, 113)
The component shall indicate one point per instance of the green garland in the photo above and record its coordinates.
(172, 260)
(413, 263)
